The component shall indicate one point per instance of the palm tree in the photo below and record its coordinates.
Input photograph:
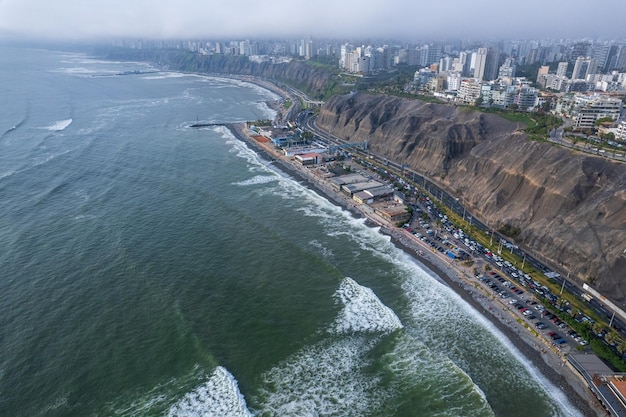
(612, 338)
(597, 329)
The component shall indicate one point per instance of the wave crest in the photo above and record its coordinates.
(362, 311)
(219, 396)
(59, 125)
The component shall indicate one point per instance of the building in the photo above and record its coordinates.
(351, 189)
(492, 63)
(423, 76)
(469, 91)
(338, 182)
(543, 71)
(620, 133)
(561, 70)
(507, 70)
(453, 81)
(589, 108)
(308, 158)
(480, 63)
(373, 195)
(393, 213)
(583, 67)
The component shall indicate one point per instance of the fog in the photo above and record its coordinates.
(398, 19)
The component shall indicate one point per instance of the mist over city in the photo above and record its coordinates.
(398, 19)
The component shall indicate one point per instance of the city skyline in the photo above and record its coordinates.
(399, 19)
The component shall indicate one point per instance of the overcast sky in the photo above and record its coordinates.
(398, 19)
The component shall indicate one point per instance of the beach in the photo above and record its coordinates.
(550, 362)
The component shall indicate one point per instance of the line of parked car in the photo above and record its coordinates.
(531, 310)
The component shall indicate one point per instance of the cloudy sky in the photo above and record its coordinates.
(399, 19)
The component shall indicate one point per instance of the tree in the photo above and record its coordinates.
(513, 106)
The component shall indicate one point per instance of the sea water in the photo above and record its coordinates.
(148, 268)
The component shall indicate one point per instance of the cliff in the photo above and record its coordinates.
(307, 76)
(570, 207)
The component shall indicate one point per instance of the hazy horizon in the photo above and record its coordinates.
(73, 20)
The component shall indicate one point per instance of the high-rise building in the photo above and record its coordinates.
(600, 54)
(480, 63)
(542, 72)
(507, 70)
(579, 49)
(620, 59)
(561, 70)
(492, 64)
(583, 67)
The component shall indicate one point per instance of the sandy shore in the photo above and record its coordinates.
(548, 360)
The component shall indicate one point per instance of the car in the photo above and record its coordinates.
(541, 325)
(551, 334)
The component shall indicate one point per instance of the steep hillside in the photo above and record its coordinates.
(570, 207)
(306, 76)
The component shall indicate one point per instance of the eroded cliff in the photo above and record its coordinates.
(307, 76)
(570, 207)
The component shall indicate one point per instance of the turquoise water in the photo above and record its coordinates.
(151, 269)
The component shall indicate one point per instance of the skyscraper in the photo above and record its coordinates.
(480, 63)
(492, 64)
(561, 70)
(583, 67)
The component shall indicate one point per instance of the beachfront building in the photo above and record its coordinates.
(351, 189)
(393, 213)
(373, 195)
(312, 158)
(342, 180)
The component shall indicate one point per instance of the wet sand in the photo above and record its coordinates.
(544, 357)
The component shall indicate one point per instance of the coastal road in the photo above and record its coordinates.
(307, 120)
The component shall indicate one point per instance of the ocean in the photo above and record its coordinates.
(152, 269)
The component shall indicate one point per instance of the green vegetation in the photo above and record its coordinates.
(602, 120)
(263, 123)
(544, 123)
(569, 308)
(287, 104)
(510, 231)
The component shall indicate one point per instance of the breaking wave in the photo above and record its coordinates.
(59, 125)
(259, 179)
(219, 396)
(362, 311)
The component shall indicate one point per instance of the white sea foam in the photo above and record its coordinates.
(431, 375)
(326, 252)
(259, 179)
(165, 75)
(59, 125)
(329, 378)
(362, 311)
(218, 397)
(437, 313)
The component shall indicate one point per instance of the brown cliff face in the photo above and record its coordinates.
(571, 207)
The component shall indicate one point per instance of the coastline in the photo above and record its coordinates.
(549, 363)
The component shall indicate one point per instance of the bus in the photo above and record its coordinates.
(586, 297)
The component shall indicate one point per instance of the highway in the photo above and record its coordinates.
(306, 120)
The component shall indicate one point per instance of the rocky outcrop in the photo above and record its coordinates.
(570, 207)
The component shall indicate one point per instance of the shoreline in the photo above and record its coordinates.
(549, 364)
